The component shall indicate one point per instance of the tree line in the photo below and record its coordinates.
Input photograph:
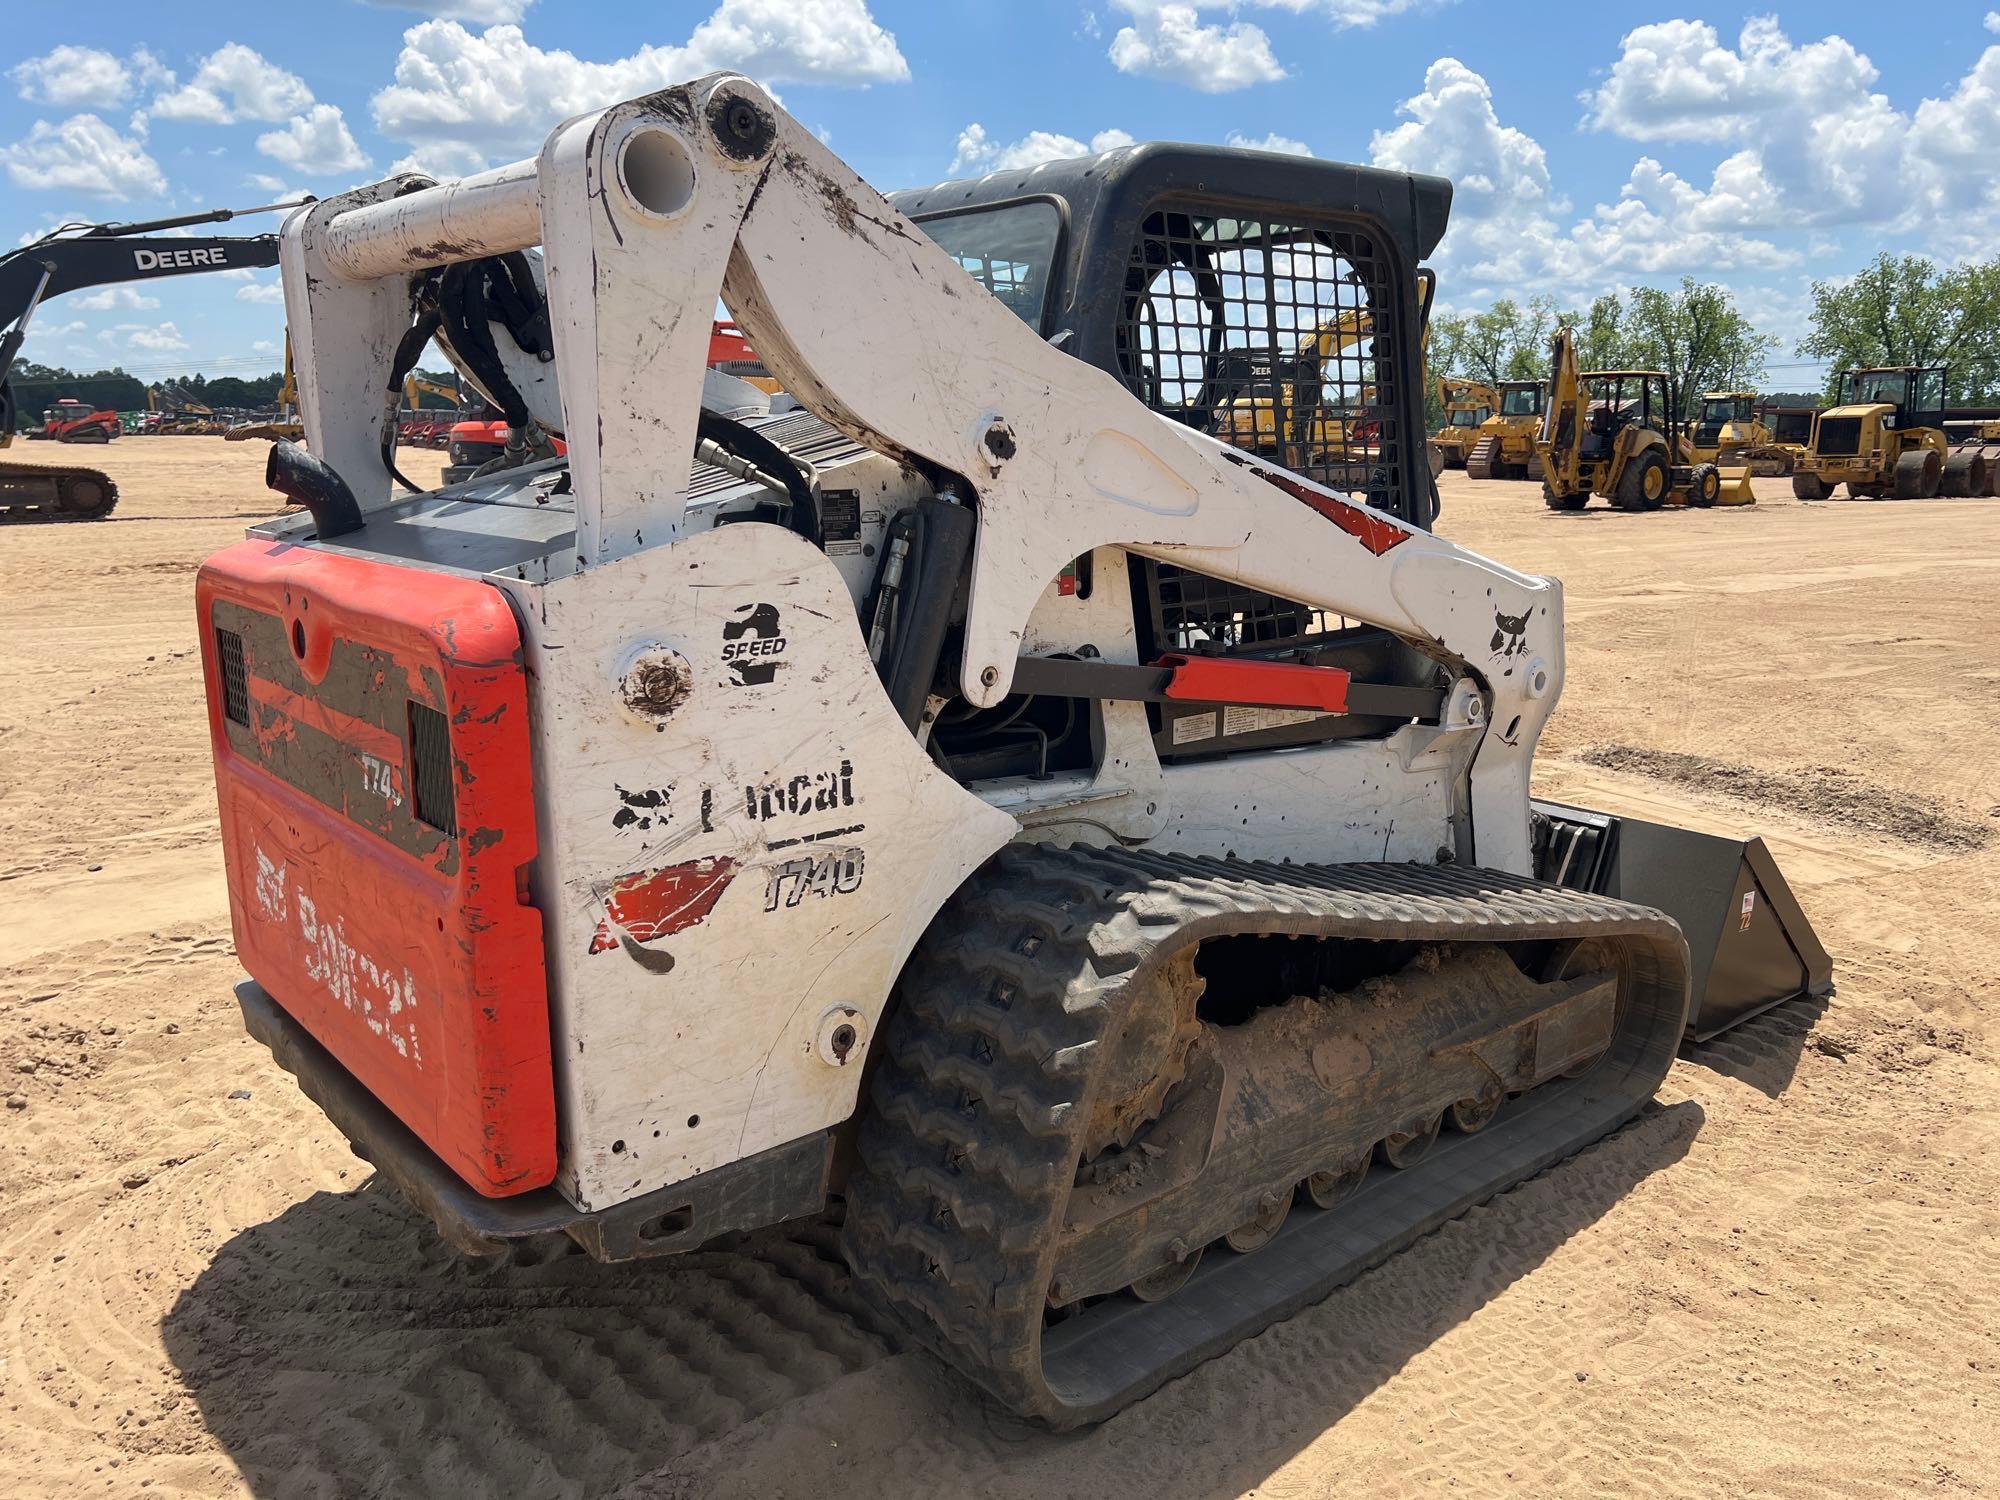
(38, 386)
(1898, 310)
(1695, 335)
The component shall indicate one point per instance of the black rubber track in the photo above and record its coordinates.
(969, 1148)
(22, 484)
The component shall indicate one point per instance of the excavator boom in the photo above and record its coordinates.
(88, 255)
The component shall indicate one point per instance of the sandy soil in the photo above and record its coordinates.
(1779, 1280)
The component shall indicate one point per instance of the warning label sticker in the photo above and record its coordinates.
(1246, 720)
(1191, 727)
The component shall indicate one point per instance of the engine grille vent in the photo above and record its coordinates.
(235, 686)
(430, 768)
(1839, 435)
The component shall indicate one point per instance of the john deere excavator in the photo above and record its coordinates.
(86, 255)
(1610, 433)
(1090, 858)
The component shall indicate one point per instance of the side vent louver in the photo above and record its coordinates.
(430, 768)
(235, 687)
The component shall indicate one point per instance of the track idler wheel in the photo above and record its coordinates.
(1411, 1144)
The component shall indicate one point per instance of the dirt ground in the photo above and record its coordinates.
(1779, 1280)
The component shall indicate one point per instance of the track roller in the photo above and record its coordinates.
(1331, 1188)
(1410, 1145)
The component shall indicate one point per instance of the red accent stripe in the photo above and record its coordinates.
(1270, 684)
(658, 903)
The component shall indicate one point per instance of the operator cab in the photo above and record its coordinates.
(1522, 398)
(1917, 394)
(1619, 399)
(1250, 313)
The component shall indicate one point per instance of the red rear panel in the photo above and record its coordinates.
(370, 729)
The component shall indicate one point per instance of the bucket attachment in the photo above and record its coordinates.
(1750, 946)
(1735, 486)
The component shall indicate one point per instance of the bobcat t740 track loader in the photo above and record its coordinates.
(1096, 858)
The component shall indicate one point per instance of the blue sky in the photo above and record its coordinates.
(1594, 145)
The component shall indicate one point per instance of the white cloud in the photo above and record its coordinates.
(479, 12)
(267, 292)
(83, 155)
(1992, 22)
(154, 338)
(69, 76)
(1815, 144)
(264, 346)
(1508, 235)
(1656, 228)
(979, 153)
(1271, 142)
(317, 142)
(442, 159)
(44, 330)
(1451, 129)
(280, 191)
(460, 97)
(111, 297)
(1168, 40)
(1675, 81)
(1358, 12)
(235, 83)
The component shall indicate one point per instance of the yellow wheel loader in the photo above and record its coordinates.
(1468, 404)
(1883, 437)
(1506, 448)
(1609, 433)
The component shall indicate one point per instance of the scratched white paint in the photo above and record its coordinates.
(374, 991)
(271, 888)
(639, 1050)
(700, 1048)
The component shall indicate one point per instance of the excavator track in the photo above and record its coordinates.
(46, 492)
(977, 1210)
(1479, 462)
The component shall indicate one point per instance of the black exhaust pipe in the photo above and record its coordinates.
(313, 483)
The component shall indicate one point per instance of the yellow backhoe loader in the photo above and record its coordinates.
(1506, 448)
(1610, 433)
(1467, 404)
(1885, 436)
